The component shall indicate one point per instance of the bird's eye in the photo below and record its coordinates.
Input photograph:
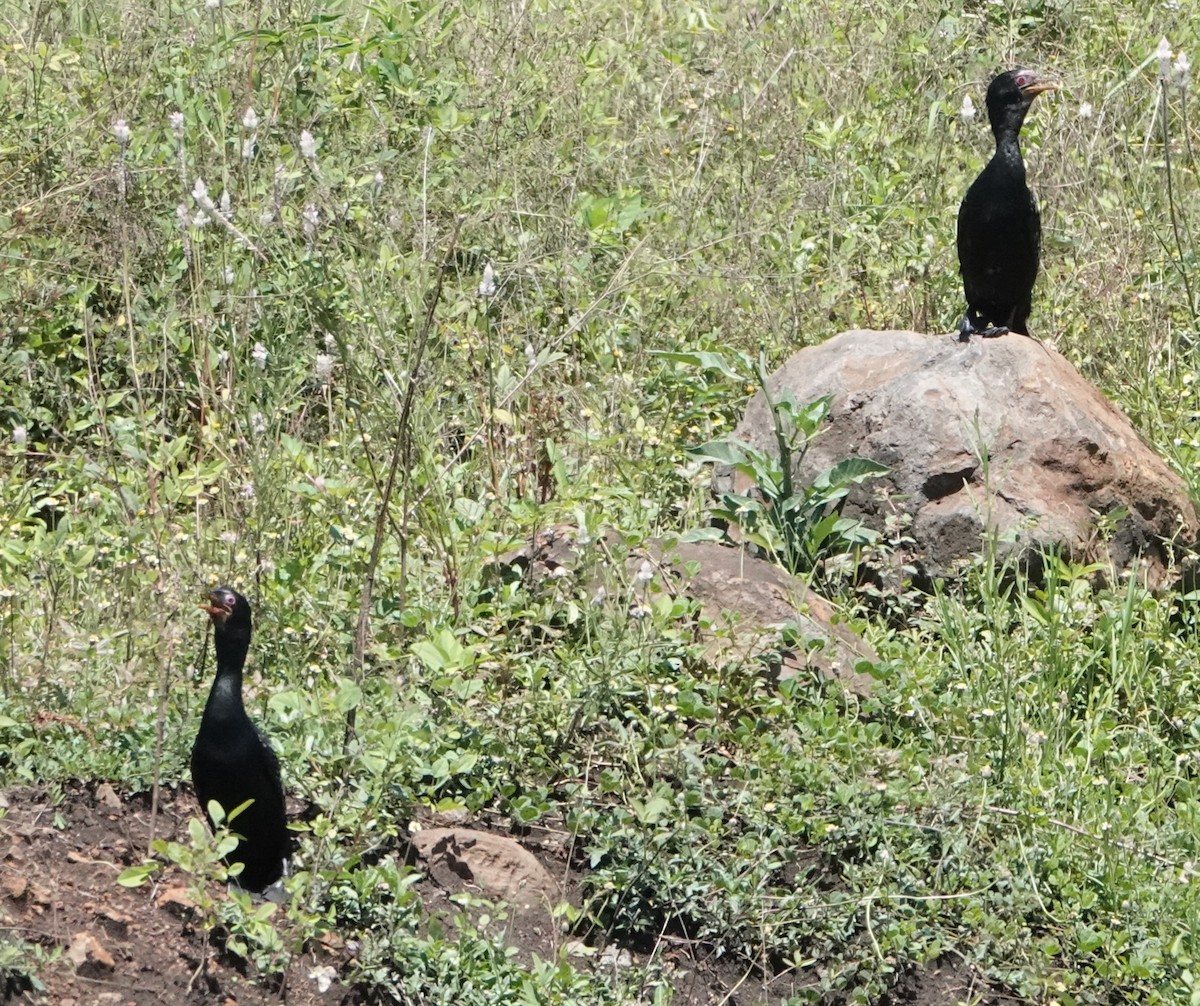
(1022, 80)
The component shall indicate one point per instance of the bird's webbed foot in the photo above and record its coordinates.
(994, 330)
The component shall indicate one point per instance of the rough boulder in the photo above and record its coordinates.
(998, 434)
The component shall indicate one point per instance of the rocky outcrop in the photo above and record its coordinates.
(751, 609)
(497, 865)
(752, 614)
(999, 435)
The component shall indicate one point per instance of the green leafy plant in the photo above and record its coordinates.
(797, 525)
(249, 932)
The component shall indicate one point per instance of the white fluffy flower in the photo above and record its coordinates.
(258, 424)
(1163, 55)
(122, 132)
(175, 119)
(312, 219)
(487, 286)
(1085, 110)
(324, 367)
(966, 111)
(250, 120)
(19, 435)
(248, 148)
(200, 191)
(259, 354)
(1183, 71)
(308, 146)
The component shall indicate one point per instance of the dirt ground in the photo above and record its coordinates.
(139, 947)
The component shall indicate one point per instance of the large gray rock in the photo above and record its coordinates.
(998, 434)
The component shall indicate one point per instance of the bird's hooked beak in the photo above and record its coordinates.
(218, 607)
(1033, 87)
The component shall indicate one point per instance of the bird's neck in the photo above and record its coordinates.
(226, 694)
(1008, 150)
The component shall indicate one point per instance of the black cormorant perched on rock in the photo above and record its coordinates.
(999, 229)
(232, 762)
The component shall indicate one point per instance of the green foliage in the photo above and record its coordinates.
(796, 525)
(196, 389)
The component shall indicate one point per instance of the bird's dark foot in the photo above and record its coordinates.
(994, 330)
(966, 330)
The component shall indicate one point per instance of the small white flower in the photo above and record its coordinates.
(319, 483)
(248, 490)
(222, 357)
(312, 219)
(248, 148)
(250, 120)
(308, 146)
(966, 111)
(487, 286)
(1085, 110)
(258, 424)
(323, 976)
(226, 205)
(230, 275)
(259, 354)
(200, 191)
(644, 574)
(530, 356)
(324, 367)
(1183, 71)
(598, 597)
(330, 343)
(266, 217)
(122, 132)
(176, 121)
(1163, 55)
(201, 219)
(377, 181)
(183, 216)
(19, 435)
(929, 241)
(212, 4)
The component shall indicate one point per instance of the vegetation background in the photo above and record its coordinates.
(340, 301)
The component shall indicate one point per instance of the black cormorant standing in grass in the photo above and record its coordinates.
(999, 229)
(232, 762)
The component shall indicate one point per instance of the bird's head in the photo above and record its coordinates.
(1009, 96)
(228, 610)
